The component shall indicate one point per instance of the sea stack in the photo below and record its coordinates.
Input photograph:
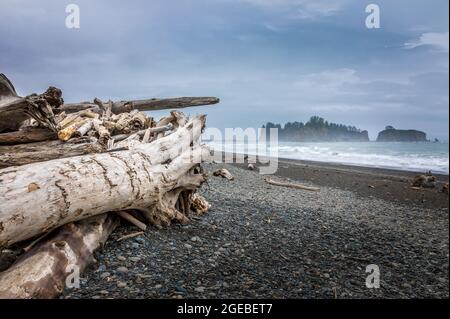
(390, 134)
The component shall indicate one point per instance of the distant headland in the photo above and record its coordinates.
(318, 129)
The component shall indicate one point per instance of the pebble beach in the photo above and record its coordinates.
(265, 241)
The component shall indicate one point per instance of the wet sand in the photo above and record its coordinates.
(386, 184)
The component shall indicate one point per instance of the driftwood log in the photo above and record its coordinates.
(143, 105)
(42, 271)
(27, 135)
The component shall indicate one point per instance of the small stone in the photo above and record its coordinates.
(200, 289)
(104, 292)
(122, 270)
(139, 240)
(101, 268)
(104, 275)
(135, 245)
(181, 289)
(187, 246)
(158, 286)
(135, 259)
(121, 258)
(195, 238)
(121, 284)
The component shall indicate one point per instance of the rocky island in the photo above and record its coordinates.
(391, 134)
(318, 129)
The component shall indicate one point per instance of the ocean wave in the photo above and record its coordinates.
(419, 157)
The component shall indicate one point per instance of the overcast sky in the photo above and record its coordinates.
(268, 60)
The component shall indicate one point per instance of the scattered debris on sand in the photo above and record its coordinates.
(224, 173)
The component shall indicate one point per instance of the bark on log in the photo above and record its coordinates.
(42, 271)
(27, 135)
(148, 178)
(144, 105)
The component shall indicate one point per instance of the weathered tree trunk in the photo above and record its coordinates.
(42, 271)
(38, 197)
(27, 135)
(144, 105)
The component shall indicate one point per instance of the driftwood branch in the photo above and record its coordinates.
(129, 218)
(291, 185)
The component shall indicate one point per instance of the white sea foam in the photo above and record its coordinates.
(418, 157)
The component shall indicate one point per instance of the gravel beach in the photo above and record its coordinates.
(264, 241)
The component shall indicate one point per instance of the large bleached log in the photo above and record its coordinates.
(144, 105)
(38, 197)
(42, 272)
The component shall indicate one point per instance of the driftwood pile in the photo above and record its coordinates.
(70, 172)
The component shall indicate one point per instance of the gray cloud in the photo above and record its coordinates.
(265, 64)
